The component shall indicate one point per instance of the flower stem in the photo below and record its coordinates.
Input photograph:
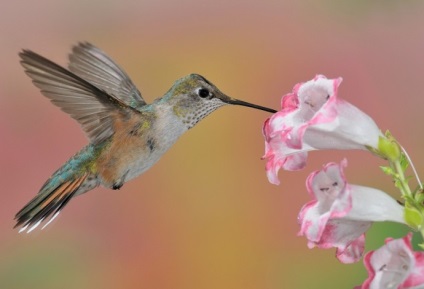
(414, 205)
(403, 182)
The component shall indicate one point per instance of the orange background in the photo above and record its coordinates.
(205, 216)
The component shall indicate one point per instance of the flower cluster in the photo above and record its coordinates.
(312, 117)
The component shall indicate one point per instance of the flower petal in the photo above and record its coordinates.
(339, 214)
(395, 265)
(313, 117)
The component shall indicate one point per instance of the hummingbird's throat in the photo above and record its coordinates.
(191, 116)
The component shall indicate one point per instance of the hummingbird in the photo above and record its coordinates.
(126, 135)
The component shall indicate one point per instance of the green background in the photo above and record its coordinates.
(205, 216)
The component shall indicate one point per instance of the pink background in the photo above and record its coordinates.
(205, 216)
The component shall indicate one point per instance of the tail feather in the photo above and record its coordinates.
(51, 199)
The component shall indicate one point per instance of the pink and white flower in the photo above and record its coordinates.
(341, 213)
(395, 265)
(313, 118)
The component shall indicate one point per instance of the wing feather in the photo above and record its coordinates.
(92, 64)
(92, 107)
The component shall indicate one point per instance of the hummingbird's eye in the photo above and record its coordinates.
(203, 92)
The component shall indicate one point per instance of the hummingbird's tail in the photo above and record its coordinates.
(70, 180)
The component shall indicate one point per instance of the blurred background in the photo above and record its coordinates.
(205, 216)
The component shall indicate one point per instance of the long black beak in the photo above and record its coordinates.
(243, 103)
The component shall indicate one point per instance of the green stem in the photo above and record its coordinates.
(405, 189)
(399, 161)
(409, 196)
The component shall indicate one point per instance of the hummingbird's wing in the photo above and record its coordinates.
(92, 107)
(93, 65)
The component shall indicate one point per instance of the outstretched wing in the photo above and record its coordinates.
(93, 65)
(92, 107)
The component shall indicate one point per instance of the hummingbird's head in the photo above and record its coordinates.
(193, 98)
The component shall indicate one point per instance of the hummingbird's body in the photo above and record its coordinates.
(127, 136)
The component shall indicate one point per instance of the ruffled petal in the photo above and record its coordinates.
(339, 214)
(395, 265)
(313, 118)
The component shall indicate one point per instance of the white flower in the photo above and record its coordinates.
(313, 118)
(340, 213)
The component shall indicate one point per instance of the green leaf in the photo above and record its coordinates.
(419, 197)
(398, 184)
(404, 162)
(389, 148)
(413, 217)
(387, 170)
(388, 134)
(407, 179)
